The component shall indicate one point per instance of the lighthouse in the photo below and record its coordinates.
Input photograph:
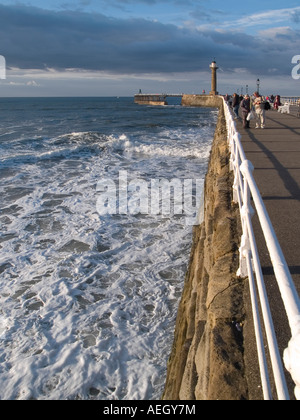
(214, 69)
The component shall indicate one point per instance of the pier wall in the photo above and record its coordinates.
(208, 101)
(207, 358)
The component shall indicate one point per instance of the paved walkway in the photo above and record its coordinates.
(275, 154)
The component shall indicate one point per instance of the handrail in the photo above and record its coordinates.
(245, 188)
(290, 99)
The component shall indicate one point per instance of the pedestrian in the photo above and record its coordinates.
(236, 105)
(259, 108)
(246, 108)
(277, 102)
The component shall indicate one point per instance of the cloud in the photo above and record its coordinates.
(31, 83)
(264, 18)
(149, 2)
(33, 38)
(296, 16)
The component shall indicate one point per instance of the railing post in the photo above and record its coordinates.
(262, 361)
(247, 169)
(245, 211)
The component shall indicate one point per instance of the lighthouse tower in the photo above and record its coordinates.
(214, 69)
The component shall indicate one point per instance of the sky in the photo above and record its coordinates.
(117, 47)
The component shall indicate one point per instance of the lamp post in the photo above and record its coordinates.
(257, 84)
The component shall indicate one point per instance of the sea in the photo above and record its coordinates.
(91, 266)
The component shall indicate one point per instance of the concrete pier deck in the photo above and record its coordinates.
(275, 154)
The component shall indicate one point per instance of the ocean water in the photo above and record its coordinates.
(88, 298)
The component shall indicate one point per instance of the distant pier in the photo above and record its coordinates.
(155, 99)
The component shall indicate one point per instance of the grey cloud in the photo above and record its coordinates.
(295, 16)
(35, 38)
(150, 2)
(31, 37)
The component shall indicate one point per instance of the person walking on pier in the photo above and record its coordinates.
(235, 105)
(277, 102)
(259, 109)
(245, 108)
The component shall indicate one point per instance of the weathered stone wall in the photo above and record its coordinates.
(208, 101)
(206, 361)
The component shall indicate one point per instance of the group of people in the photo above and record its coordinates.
(252, 108)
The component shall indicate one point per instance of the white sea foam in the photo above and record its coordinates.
(88, 303)
(171, 151)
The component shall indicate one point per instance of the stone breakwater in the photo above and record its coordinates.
(207, 358)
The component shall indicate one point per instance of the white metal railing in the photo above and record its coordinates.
(292, 100)
(244, 189)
